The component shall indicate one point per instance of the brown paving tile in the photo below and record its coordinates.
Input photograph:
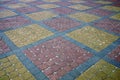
(115, 54)
(27, 9)
(3, 47)
(55, 57)
(109, 24)
(62, 24)
(13, 22)
(100, 12)
(62, 10)
(36, 2)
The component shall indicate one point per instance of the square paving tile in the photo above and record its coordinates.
(56, 57)
(101, 71)
(76, 1)
(51, 0)
(13, 22)
(12, 69)
(111, 8)
(93, 37)
(109, 24)
(27, 0)
(104, 2)
(41, 15)
(91, 4)
(62, 10)
(79, 7)
(2, 8)
(17, 5)
(61, 24)
(115, 54)
(7, 13)
(27, 9)
(82, 16)
(117, 4)
(47, 6)
(3, 46)
(63, 3)
(36, 3)
(117, 16)
(100, 12)
(27, 35)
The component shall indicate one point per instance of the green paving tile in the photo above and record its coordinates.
(116, 16)
(79, 7)
(112, 8)
(98, 72)
(27, 35)
(12, 71)
(47, 6)
(7, 13)
(82, 16)
(41, 15)
(93, 37)
(103, 2)
(17, 5)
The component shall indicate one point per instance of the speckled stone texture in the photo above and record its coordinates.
(59, 39)
(62, 24)
(57, 57)
(3, 46)
(13, 22)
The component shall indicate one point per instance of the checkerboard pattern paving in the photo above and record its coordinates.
(59, 40)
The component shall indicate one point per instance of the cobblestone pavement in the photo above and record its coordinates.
(59, 40)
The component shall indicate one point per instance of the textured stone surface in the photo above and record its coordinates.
(99, 12)
(41, 15)
(115, 54)
(27, 35)
(116, 17)
(101, 70)
(79, 7)
(13, 22)
(82, 16)
(93, 37)
(3, 47)
(57, 57)
(47, 6)
(109, 24)
(7, 13)
(111, 8)
(12, 69)
(62, 10)
(62, 24)
(17, 5)
(59, 39)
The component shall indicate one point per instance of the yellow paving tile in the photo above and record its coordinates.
(93, 37)
(7, 13)
(117, 16)
(27, 35)
(112, 8)
(76, 1)
(47, 6)
(12, 73)
(103, 2)
(79, 7)
(41, 15)
(17, 5)
(84, 16)
(100, 73)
